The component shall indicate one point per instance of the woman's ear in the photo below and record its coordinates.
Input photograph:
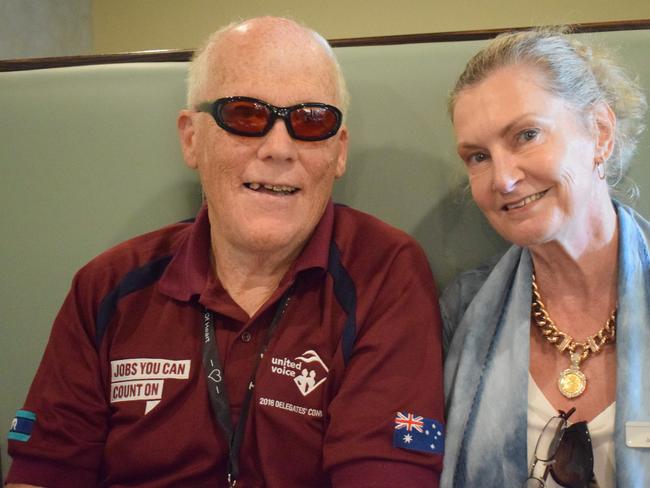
(605, 127)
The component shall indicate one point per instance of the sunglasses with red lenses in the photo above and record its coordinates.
(250, 117)
(564, 452)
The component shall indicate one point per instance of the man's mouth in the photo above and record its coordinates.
(272, 189)
(525, 201)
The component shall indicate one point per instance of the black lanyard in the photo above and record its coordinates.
(217, 389)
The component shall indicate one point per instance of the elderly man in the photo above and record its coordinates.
(278, 340)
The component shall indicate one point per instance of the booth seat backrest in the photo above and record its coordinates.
(90, 157)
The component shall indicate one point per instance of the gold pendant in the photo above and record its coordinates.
(572, 382)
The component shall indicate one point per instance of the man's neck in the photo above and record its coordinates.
(250, 278)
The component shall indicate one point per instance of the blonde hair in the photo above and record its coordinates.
(575, 72)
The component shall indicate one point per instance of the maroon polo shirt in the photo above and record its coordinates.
(120, 398)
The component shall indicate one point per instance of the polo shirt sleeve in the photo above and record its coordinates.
(58, 436)
(392, 386)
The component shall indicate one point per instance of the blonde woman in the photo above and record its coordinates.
(548, 348)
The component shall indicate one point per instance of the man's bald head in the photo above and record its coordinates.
(264, 41)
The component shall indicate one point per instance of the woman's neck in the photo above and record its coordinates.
(578, 276)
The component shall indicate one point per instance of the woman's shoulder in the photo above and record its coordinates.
(631, 214)
(459, 294)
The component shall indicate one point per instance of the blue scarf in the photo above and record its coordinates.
(486, 366)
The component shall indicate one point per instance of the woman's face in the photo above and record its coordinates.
(530, 156)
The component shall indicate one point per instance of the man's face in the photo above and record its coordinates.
(236, 171)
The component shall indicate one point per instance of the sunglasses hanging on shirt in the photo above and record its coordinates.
(250, 117)
(565, 452)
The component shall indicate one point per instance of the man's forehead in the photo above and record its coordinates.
(247, 60)
(270, 29)
(271, 34)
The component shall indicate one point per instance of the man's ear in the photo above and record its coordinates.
(605, 127)
(186, 134)
(342, 158)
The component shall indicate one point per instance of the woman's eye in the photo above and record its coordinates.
(528, 134)
(477, 157)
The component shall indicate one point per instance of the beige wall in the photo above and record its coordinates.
(133, 25)
(38, 28)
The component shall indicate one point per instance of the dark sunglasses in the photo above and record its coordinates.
(251, 117)
(564, 452)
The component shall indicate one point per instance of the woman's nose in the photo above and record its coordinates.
(507, 172)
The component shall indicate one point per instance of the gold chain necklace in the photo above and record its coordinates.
(572, 382)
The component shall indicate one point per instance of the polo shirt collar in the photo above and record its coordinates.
(189, 271)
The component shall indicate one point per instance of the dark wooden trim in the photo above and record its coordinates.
(185, 55)
(59, 62)
(478, 35)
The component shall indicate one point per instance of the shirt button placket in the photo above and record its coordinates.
(246, 336)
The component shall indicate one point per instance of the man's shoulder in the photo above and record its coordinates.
(355, 224)
(372, 247)
(137, 252)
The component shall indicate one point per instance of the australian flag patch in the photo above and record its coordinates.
(22, 425)
(418, 434)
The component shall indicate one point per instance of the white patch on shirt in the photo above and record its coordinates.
(143, 379)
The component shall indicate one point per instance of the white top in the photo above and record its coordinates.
(601, 430)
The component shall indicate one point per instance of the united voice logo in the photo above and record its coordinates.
(308, 370)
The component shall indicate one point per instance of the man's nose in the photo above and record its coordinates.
(277, 144)
(506, 172)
